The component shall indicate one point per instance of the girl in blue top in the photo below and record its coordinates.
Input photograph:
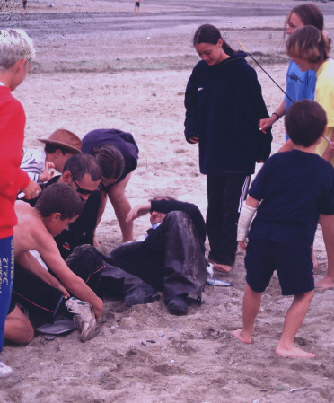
(299, 84)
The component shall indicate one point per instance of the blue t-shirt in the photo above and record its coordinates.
(299, 84)
(295, 188)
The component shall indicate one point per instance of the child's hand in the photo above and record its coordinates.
(98, 308)
(32, 190)
(46, 175)
(265, 123)
(63, 290)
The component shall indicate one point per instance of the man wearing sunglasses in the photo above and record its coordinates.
(83, 174)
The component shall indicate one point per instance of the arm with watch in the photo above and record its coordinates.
(268, 122)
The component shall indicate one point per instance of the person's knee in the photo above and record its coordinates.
(27, 334)
(305, 297)
(18, 328)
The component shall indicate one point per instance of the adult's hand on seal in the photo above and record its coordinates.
(32, 190)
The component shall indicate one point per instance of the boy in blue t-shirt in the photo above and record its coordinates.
(294, 189)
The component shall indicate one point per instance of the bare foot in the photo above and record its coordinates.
(223, 268)
(239, 335)
(324, 284)
(293, 352)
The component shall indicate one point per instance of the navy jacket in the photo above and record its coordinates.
(125, 143)
(223, 107)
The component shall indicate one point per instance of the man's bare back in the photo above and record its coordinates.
(29, 230)
(34, 232)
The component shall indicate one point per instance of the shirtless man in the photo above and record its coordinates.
(58, 206)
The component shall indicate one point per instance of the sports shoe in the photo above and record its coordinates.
(178, 305)
(5, 370)
(84, 318)
(141, 295)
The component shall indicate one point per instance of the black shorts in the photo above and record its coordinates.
(294, 268)
(137, 4)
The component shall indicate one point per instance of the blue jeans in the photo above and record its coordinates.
(6, 281)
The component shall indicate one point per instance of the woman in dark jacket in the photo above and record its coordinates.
(223, 106)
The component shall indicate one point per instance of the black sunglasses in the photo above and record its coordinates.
(80, 189)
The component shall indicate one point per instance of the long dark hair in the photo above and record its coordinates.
(210, 34)
(309, 14)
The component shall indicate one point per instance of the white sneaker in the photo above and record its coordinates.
(5, 370)
(84, 318)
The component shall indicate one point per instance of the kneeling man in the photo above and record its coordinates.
(58, 206)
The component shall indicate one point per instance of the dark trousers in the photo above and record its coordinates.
(170, 259)
(225, 196)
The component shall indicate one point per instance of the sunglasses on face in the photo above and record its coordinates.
(80, 189)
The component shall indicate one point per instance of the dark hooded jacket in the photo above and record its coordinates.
(223, 107)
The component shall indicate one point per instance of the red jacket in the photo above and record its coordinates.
(12, 178)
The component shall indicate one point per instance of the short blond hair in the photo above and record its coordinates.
(309, 43)
(15, 45)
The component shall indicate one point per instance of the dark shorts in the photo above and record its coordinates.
(294, 268)
(24, 3)
(137, 4)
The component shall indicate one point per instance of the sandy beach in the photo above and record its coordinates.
(99, 65)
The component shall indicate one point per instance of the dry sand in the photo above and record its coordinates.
(100, 66)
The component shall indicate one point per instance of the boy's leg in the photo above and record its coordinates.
(293, 320)
(327, 226)
(250, 308)
(259, 266)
